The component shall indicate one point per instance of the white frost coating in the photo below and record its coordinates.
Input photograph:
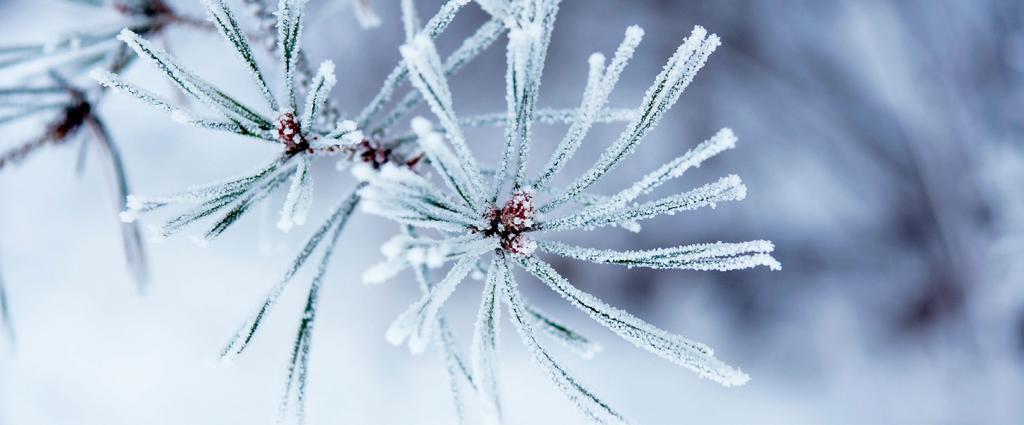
(728, 188)
(689, 58)
(347, 131)
(410, 19)
(428, 77)
(471, 226)
(210, 198)
(128, 216)
(111, 80)
(421, 126)
(347, 126)
(563, 335)
(395, 246)
(362, 171)
(401, 195)
(434, 27)
(416, 256)
(522, 77)
(434, 258)
(600, 83)
(496, 8)
(224, 20)
(470, 48)
(179, 115)
(526, 66)
(449, 166)
(195, 87)
(593, 408)
(549, 116)
(721, 141)
(298, 368)
(290, 21)
(365, 14)
(692, 355)
(718, 256)
(454, 364)
(484, 349)
(319, 89)
(419, 321)
(333, 226)
(299, 197)
(403, 252)
(382, 272)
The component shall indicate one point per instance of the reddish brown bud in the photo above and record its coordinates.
(289, 132)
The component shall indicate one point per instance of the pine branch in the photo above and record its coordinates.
(470, 228)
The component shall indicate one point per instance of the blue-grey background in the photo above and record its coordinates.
(881, 142)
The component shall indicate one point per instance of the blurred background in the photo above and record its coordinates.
(881, 142)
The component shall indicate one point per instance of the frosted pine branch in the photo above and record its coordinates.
(300, 138)
(505, 229)
(303, 138)
(431, 181)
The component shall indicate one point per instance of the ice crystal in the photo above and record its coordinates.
(477, 215)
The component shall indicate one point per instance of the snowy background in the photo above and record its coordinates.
(881, 142)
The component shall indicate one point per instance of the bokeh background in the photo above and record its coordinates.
(881, 142)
